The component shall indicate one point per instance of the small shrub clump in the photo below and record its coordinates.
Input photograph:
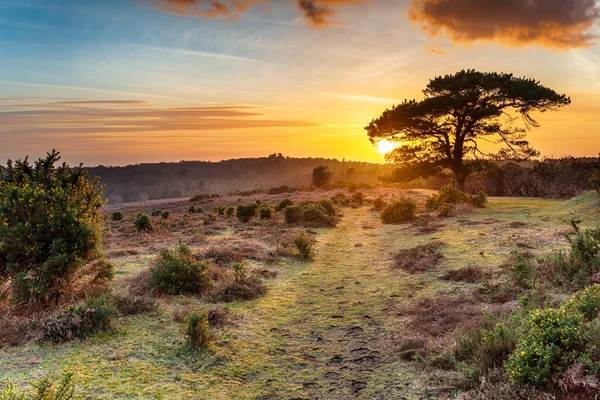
(265, 212)
(357, 199)
(446, 210)
(143, 224)
(245, 212)
(283, 204)
(304, 246)
(449, 195)
(165, 214)
(310, 214)
(156, 213)
(43, 389)
(197, 332)
(178, 272)
(399, 211)
(117, 216)
(379, 204)
(229, 211)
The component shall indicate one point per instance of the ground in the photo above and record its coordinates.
(332, 328)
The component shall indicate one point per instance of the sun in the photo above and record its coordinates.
(384, 146)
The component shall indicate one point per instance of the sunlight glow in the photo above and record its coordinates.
(384, 146)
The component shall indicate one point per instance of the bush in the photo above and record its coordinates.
(446, 210)
(315, 215)
(399, 211)
(245, 212)
(283, 204)
(197, 332)
(165, 214)
(142, 223)
(304, 246)
(44, 389)
(595, 181)
(340, 198)
(229, 211)
(357, 199)
(80, 321)
(321, 176)
(156, 213)
(192, 209)
(220, 210)
(328, 207)
(50, 228)
(379, 204)
(264, 212)
(117, 216)
(293, 214)
(447, 195)
(479, 200)
(177, 272)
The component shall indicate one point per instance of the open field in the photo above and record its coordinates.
(345, 325)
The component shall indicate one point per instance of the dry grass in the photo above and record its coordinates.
(466, 274)
(420, 258)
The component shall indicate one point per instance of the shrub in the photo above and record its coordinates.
(304, 246)
(523, 274)
(357, 199)
(447, 195)
(156, 213)
(479, 200)
(245, 212)
(446, 210)
(165, 214)
(264, 212)
(379, 204)
(200, 197)
(50, 228)
(293, 214)
(595, 181)
(339, 198)
(229, 211)
(327, 206)
(321, 176)
(44, 389)
(197, 332)
(117, 216)
(283, 204)
(177, 272)
(240, 272)
(142, 223)
(220, 210)
(192, 209)
(399, 211)
(315, 215)
(79, 321)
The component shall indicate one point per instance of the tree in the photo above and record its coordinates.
(321, 176)
(50, 228)
(445, 129)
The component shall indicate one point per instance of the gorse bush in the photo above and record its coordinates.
(399, 211)
(245, 212)
(117, 216)
(327, 206)
(265, 212)
(446, 210)
(450, 195)
(304, 246)
(178, 272)
(283, 204)
(310, 214)
(43, 389)
(50, 228)
(379, 204)
(142, 223)
(156, 213)
(229, 211)
(478, 200)
(357, 199)
(197, 332)
(165, 214)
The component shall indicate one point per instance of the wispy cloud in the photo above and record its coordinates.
(363, 98)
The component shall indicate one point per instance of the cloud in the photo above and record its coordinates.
(558, 24)
(317, 13)
(125, 103)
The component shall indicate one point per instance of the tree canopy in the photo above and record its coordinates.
(458, 112)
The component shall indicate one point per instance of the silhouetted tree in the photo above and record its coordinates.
(459, 111)
(321, 176)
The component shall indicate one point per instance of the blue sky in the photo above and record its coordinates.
(119, 82)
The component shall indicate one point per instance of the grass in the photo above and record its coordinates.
(329, 328)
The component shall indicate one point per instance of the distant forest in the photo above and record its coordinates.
(556, 178)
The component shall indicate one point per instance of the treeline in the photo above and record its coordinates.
(142, 182)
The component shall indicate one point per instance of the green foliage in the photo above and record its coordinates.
(76, 322)
(309, 214)
(265, 212)
(50, 227)
(478, 200)
(165, 214)
(178, 272)
(142, 223)
(595, 181)
(304, 246)
(156, 213)
(117, 216)
(447, 195)
(327, 206)
(523, 274)
(245, 212)
(43, 389)
(229, 211)
(220, 210)
(357, 199)
(399, 211)
(321, 176)
(446, 210)
(240, 272)
(192, 209)
(293, 214)
(197, 332)
(283, 204)
(379, 204)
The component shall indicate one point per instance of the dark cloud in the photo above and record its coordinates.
(560, 24)
(315, 13)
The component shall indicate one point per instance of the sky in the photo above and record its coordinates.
(119, 82)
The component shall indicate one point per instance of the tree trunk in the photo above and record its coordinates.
(460, 178)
